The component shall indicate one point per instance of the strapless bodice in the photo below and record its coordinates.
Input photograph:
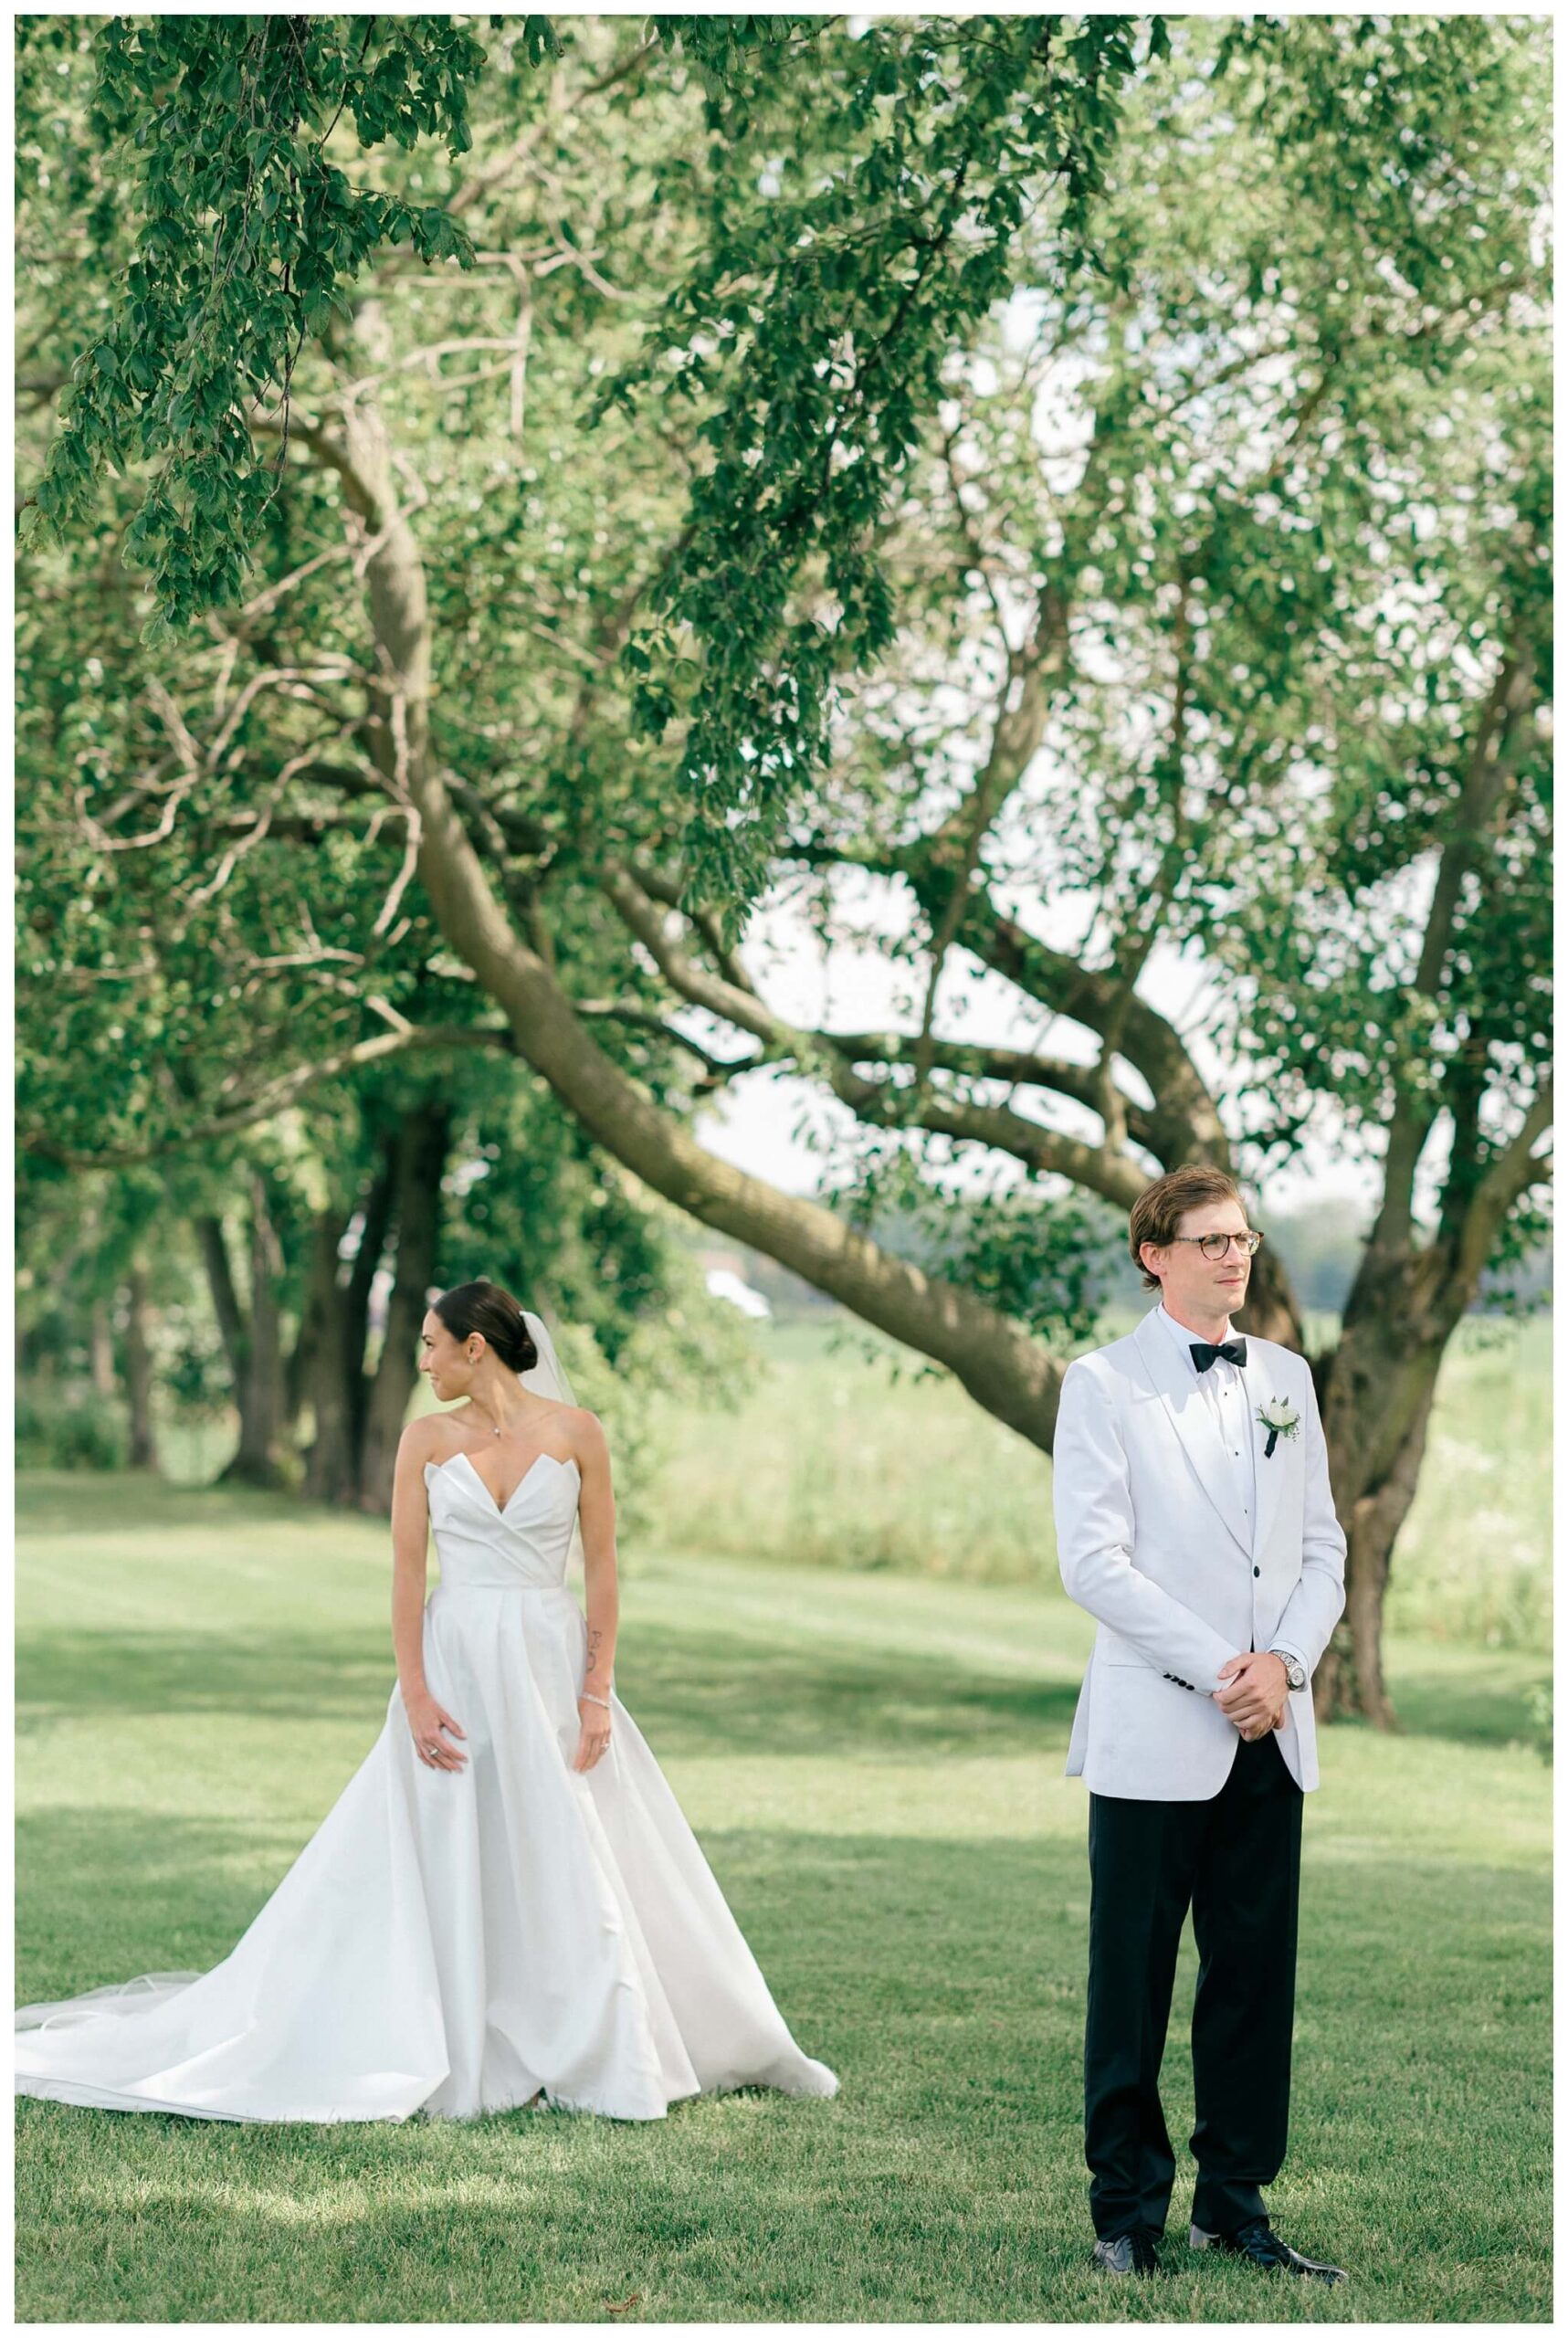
(483, 1547)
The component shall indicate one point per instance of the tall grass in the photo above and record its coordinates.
(844, 1453)
(1474, 1561)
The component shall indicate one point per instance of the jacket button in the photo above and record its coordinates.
(1258, 1570)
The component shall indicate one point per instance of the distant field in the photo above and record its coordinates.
(846, 1454)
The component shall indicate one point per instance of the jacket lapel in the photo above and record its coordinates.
(1197, 1431)
(1269, 1474)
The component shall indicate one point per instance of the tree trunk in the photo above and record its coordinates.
(100, 1336)
(258, 1389)
(143, 1452)
(334, 1330)
(1376, 1394)
(296, 1362)
(422, 1141)
(326, 1365)
(354, 1334)
(213, 1244)
(1271, 1312)
(1349, 1682)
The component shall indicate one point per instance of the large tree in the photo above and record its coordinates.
(846, 477)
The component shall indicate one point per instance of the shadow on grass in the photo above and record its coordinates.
(103, 1895)
(319, 1674)
(85, 1502)
(695, 1691)
(720, 1692)
(731, 1692)
(1480, 1699)
(944, 1981)
(693, 1694)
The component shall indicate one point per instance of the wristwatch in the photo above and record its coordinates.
(1295, 1670)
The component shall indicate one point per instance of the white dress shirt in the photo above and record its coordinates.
(1224, 1391)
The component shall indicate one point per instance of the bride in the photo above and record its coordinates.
(505, 1903)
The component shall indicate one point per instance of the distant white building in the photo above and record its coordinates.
(724, 1280)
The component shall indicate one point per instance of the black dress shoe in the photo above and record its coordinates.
(1260, 2244)
(1129, 2252)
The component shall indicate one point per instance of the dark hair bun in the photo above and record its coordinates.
(484, 1307)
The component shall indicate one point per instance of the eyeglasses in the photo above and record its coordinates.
(1218, 1246)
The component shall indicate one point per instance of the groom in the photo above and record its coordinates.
(1194, 1521)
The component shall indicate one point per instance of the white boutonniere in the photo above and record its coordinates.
(1279, 1419)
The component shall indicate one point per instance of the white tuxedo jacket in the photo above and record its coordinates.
(1152, 1540)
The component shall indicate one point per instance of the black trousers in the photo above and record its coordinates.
(1235, 1860)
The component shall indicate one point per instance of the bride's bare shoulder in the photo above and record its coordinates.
(582, 1431)
(431, 1437)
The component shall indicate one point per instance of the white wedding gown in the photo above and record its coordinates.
(455, 1942)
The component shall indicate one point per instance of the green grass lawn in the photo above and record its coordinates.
(873, 1761)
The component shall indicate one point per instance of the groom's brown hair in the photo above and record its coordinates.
(1159, 1209)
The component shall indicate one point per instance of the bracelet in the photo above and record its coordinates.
(586, 1697)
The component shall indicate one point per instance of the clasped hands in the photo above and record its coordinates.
(1256, 1693)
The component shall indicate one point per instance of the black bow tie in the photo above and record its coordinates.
(1233, 1351)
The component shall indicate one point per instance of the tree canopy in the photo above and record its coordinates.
(1030, 502)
